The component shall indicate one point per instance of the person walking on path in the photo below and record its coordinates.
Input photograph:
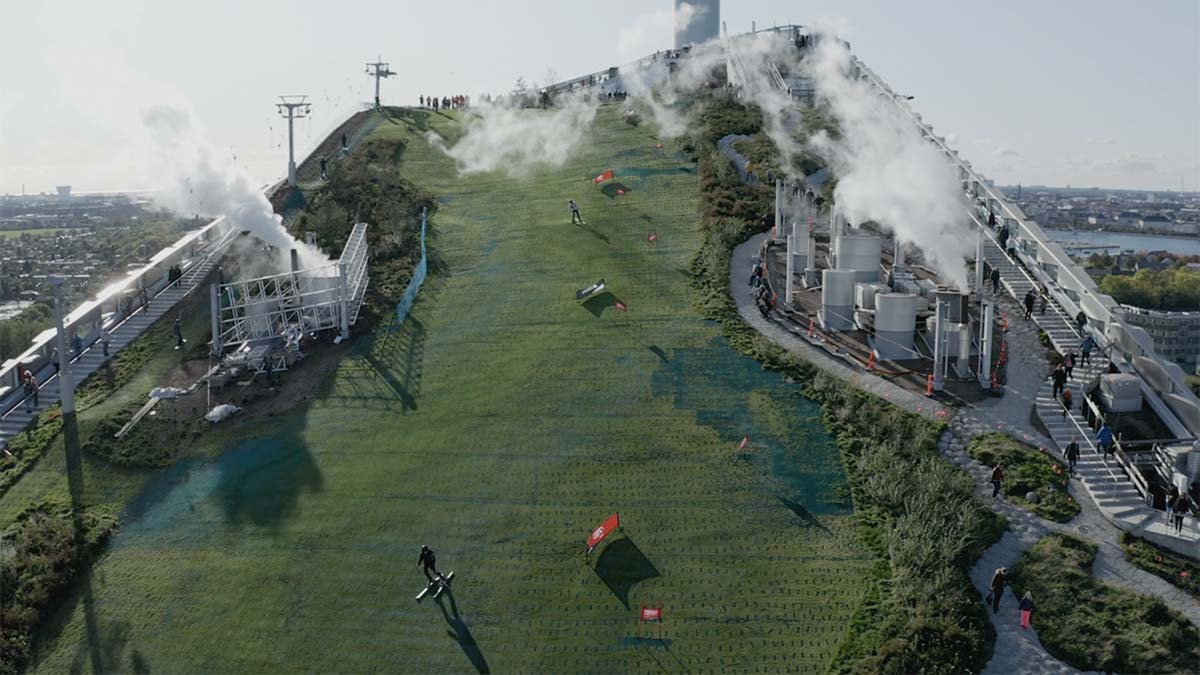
(1042, 302)
(177, 331)
(1069, 363)
(1026, 609)
(1059, 376)
(1029, 298)
(31, 390)
(1066, 402)
(54, 359)
(1172, 495)
(999, 581)
(324, 164)
(1072, 454)
(997, 477)
(1104, 438)
(1181, 508)
(1086, 345)
(995, 281)
(427, 561)
(1002, 236)
(105, 339)
(575, 216)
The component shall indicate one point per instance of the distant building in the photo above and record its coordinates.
(1176, 335)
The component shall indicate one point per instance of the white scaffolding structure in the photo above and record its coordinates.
(265, 315)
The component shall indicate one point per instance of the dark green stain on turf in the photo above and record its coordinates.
(732, 394)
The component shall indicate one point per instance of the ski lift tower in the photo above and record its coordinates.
(379, 69)
(292, 107)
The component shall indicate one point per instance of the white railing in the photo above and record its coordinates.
(108, 307)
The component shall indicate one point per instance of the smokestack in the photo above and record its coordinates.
(295, 260)
(898, 257)
(696, 21)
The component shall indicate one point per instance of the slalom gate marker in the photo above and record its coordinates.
(651, 615)
(871, 361)
(744, 443)
(606, 528)
(590, 290)
(929, 385)
(812, 327)
(607, 175)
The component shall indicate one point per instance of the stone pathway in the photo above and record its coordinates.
(1017, 650)
(725, 145)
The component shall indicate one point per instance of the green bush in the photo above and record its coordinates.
(43, 553)
(1182, 571)
(1027, 469)
(1093, 626)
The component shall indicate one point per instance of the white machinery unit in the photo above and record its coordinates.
(859, 253)
(1121, 392)
(895, 323)
(837, 300)
(865, 293)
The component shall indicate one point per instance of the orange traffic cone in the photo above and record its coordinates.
(871, 361)
(929, 385)
(812, 327)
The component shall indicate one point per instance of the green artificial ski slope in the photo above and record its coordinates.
(500, 425)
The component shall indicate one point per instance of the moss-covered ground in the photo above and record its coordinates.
(500, 424)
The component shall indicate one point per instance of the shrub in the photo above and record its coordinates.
(1027, 469)
(1179, 570)
(1094, 626)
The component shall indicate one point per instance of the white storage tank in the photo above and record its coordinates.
(859, 253)
(837, 300)
(895, 322)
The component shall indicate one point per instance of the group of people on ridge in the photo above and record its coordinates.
(444, 103)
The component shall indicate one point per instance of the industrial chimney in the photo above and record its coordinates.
(696, 21)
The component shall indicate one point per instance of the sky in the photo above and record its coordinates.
(1071, 92)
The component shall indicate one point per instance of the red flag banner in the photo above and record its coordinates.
(651, 613)
(606, 528)
(607, 175)
(744, 443)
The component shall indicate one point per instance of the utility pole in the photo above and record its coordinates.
(66, 382)
(379, 69)
(292, 107)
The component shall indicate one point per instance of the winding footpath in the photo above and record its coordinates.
(1017, 649)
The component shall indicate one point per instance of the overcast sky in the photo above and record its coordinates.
(1079, 92)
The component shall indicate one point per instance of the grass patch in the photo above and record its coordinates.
(1026, 470)
(1181, 571)
(1094, 626)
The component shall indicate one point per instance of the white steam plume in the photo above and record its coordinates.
(201, 179)
(500, 137)
(886, 171)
